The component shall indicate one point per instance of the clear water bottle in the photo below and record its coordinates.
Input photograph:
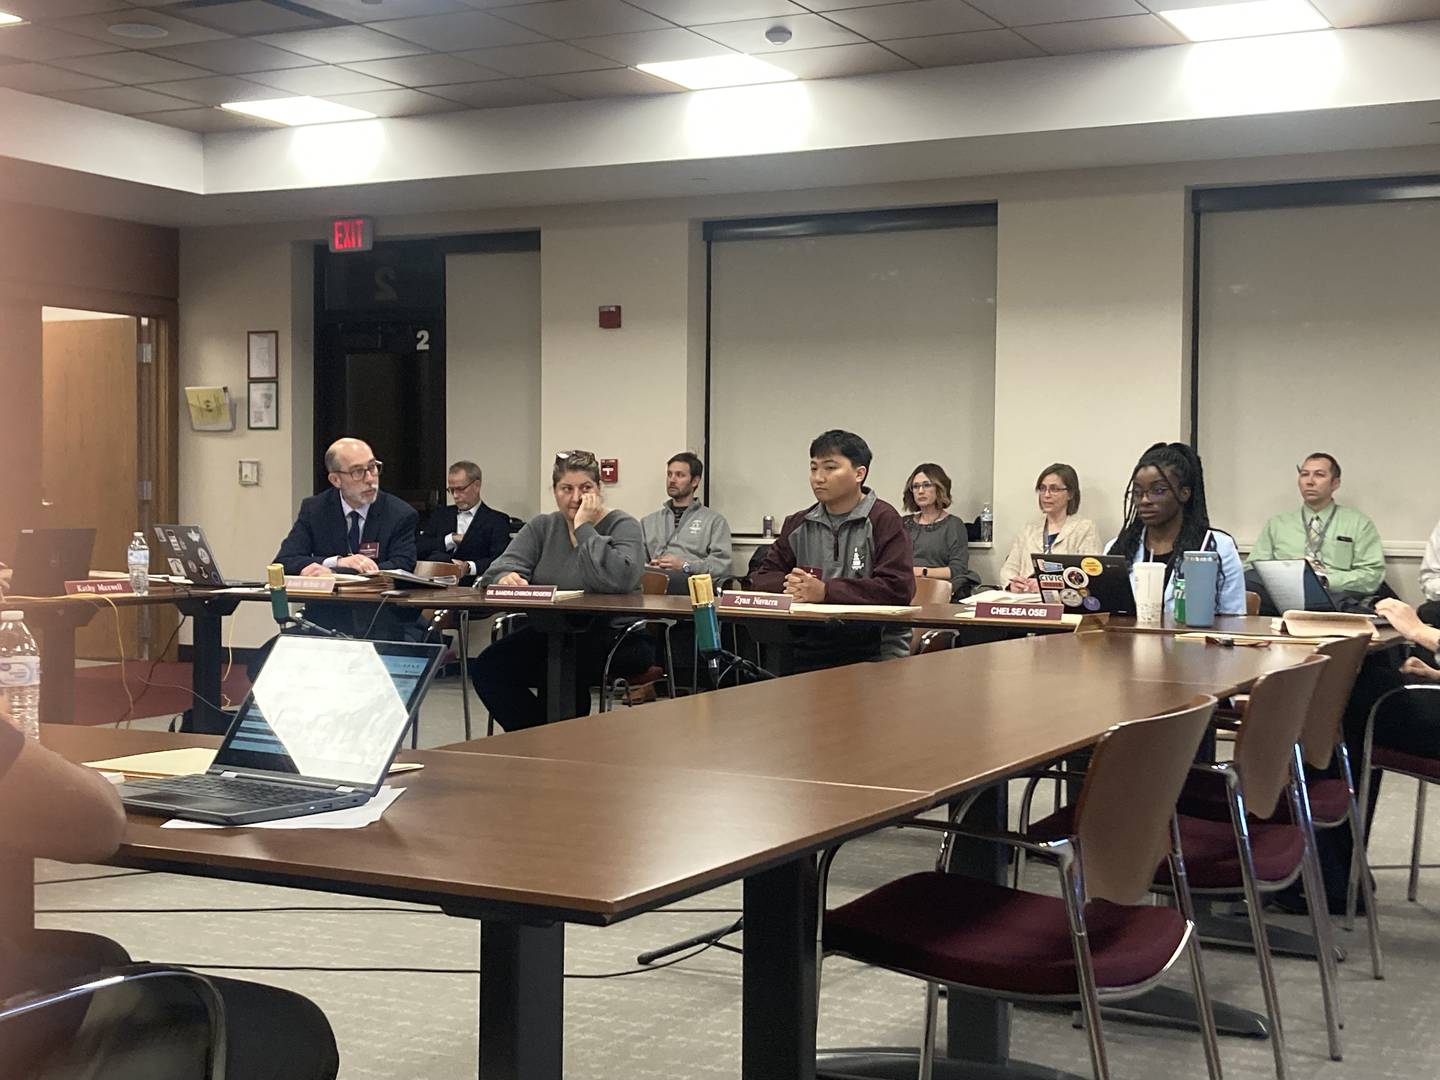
(987, 524)
(19, 673)
(138, 559)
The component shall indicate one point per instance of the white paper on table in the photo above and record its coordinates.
(855, 609)
(1000, 596)
(352, 817)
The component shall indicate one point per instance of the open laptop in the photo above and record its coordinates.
(1292, 585)
(317, 732)
(47, 558)
(189, 555)
(1085, 584)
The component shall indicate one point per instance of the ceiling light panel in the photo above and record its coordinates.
(712, 72)
(298, 111)
(1252, 18)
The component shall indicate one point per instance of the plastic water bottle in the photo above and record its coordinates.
(987, 523)
(138, 558)
(19, 673)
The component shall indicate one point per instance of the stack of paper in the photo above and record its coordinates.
(1000, 596)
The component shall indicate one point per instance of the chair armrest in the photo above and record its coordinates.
(30, 1002)
(1048, 848)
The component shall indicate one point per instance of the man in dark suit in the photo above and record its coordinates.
(467, 533)
(353, 527)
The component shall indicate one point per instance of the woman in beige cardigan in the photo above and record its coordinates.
(1058, 530)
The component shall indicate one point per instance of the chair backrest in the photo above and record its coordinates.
(1327, 708)
(430, 569)
(654, 582)
(932, 591)
(1123, 818)
(1279, 704)
(1252, 603)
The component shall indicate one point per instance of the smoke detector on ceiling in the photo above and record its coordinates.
(778, 35)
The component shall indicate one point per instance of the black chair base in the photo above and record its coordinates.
(902, 1063)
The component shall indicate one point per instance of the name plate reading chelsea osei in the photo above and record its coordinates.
(98, 587)
(1027, 612)
(540, 594)
(757, 601)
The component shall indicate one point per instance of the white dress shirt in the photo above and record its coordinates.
(345, 511)
(463, 519)
(1430, 567)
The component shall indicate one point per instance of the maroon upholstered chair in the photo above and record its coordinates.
(1097, 941)
(1374, 758)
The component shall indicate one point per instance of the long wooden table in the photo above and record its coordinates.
(598, 819)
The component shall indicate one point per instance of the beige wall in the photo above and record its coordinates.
(1092, 314)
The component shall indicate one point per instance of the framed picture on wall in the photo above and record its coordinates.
(264, 411)
(263, 354)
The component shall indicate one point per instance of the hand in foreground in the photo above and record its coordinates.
(667, 562)
(512, 578)
(462, 567)
(362, 564)
(1401, 615)
(1417, 668)
(592, 509)
(315, 570)
(804, 587)
(1023, 584)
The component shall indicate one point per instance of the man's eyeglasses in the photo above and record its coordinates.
(1051, 489)
(359, 472)
(461, 488)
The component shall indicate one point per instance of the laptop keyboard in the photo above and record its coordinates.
(254, 792)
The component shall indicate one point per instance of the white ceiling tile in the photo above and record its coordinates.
(463, 30)
(1097, 35)
(500, 93)
(121, 99)
(431, 69)
(836, 5)
(342, 44)
(582, 18)
(980, 47)
(131, 66)
(691, 12)
(541, 58)
(396, 102)
(42, 10)
(355, 11)
(1031, 12)
(612, 82)
(235, 56)
(655, 46)
(252, 17)
(216, 90)
(43, 79)
(1344, 13)
(321, 80)
(867, 58)
(43, 43)
(206, 120)
(917, 18)
(177, 31)
(807, 32)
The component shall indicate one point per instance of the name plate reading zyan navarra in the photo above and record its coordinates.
(313, 584)
(1027, 612)
(539, 594)
(102, 587)
(757, 601)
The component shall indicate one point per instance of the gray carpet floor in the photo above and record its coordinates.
(397, 1022)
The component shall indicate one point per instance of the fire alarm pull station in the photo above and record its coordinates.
(610, 470)
(610, 317)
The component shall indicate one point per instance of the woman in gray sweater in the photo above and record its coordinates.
(942, 548)
(581, 545)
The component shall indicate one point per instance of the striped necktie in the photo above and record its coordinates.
(1312, 539)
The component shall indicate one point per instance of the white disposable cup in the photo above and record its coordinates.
(1149, 592)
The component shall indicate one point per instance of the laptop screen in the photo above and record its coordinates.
(329, 710)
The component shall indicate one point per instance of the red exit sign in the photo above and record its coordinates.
(352, 234)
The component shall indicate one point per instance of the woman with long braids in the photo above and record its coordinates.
(1166, 516)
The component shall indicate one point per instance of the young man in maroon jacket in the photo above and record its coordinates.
(848, 548)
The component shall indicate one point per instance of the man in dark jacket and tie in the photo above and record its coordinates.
(467, 533)
(353, 527)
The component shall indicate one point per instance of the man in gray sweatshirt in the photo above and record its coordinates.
(684, 536)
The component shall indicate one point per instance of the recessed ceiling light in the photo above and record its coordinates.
(140, 31)
(1251, 18)
(6, 19)
(298, 111)
(710, 72)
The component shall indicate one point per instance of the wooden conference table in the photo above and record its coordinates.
(601, 818)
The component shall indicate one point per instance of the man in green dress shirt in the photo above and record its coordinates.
(1341, 543)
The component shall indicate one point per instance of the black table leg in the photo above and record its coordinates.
(559, 675)
(205, 673)
(778, 1016)
(522, 1001)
